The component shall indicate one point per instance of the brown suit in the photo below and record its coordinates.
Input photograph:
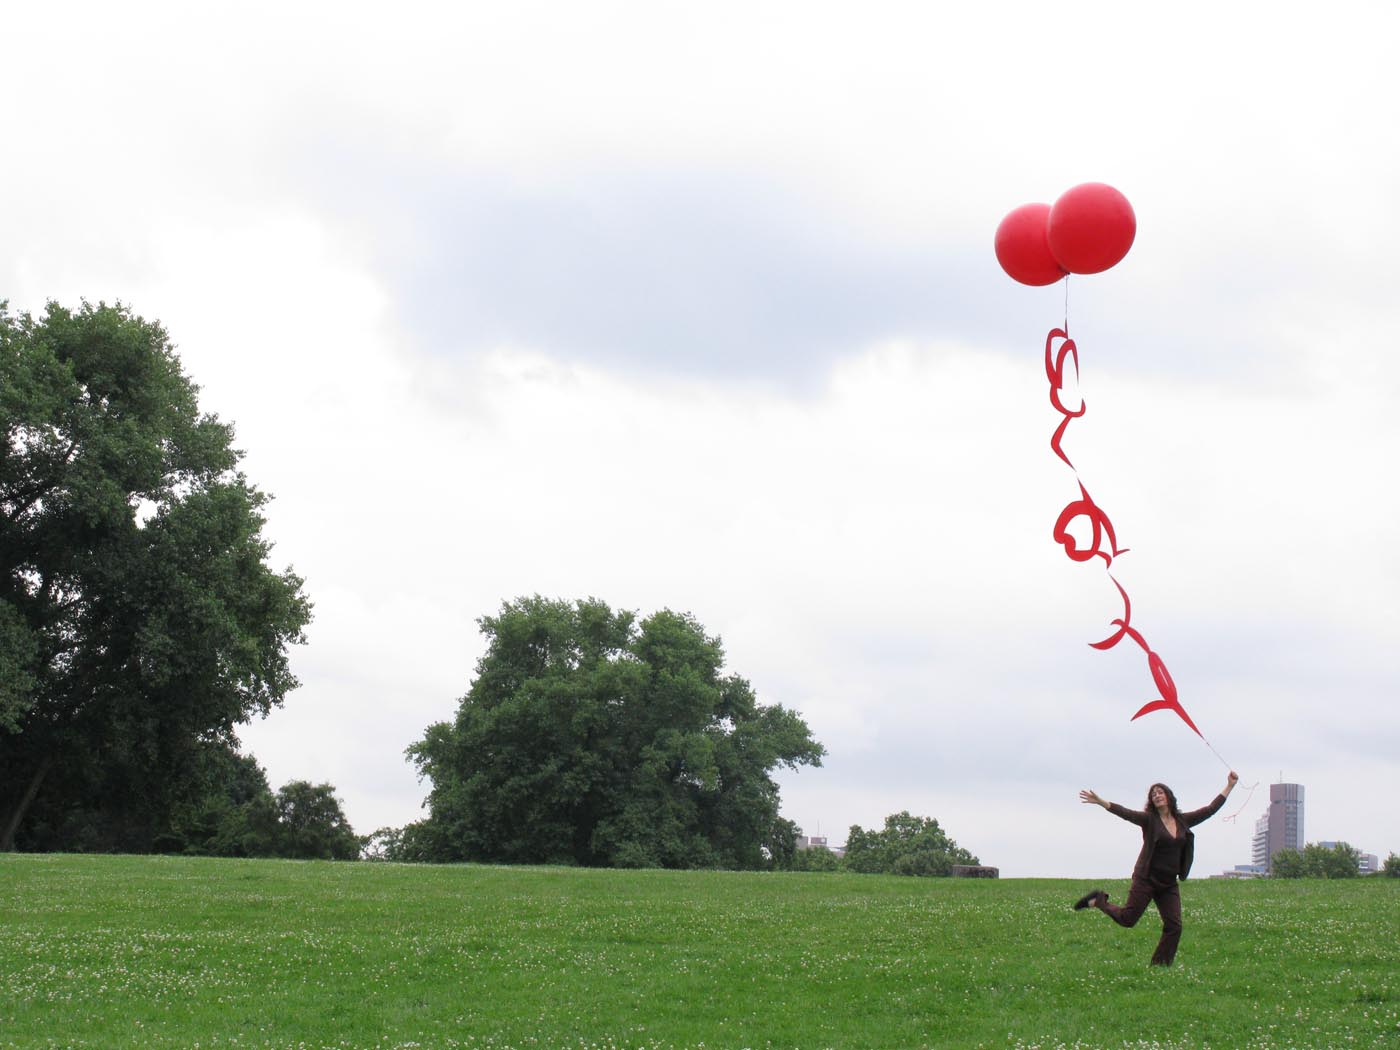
(1157, 885)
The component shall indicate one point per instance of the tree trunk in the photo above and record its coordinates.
(7, 839)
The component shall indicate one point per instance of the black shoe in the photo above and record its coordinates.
(1090, 899)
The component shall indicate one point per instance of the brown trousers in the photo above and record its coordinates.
(1168, 899)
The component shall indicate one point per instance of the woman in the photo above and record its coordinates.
(1165, 857)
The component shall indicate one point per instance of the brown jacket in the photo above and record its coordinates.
(1153, 829)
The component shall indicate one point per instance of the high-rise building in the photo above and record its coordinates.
(1259, 856)
(1282, 826)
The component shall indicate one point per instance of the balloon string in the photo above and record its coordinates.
(1066, 304)
(1243, 805)
(1252, 787)
(1214, 752)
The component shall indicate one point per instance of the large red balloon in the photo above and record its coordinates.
(1091, 228)
(1023, 248)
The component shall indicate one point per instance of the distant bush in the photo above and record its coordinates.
(907, 845)
(816, 859)
(1341, 861)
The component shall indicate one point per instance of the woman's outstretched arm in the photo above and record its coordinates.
(1197, 815)
(1093, 798)
(1130, 815)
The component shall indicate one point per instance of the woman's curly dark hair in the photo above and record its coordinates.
(1171, 801)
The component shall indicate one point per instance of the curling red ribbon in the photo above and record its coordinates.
(1161, 677)
(1055, 372)
(1100, 529)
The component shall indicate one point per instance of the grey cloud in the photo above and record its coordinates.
(670, 277)
(715, 275)
(729, 275)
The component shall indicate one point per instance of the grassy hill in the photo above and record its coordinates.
(156, 951)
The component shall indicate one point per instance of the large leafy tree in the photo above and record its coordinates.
(906, 845)
(589, 738)
(139, 618)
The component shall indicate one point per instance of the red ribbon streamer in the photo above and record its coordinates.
(1100, 530)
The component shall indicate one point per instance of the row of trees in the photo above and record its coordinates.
(141, 623)
(1315, 861)
(906, 845)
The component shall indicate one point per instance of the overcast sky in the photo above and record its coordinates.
(694, 306)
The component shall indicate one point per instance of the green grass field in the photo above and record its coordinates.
(155, 951)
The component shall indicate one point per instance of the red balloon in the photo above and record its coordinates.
(1091, 228)
(1023, 248)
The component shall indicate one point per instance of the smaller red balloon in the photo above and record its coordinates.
(1091, 228)
(1023, 247)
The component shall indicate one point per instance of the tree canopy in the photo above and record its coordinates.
(228, 810)
(907, 845)
(590, 738)
(1316, 861)
(311, 824)
(140, 621)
